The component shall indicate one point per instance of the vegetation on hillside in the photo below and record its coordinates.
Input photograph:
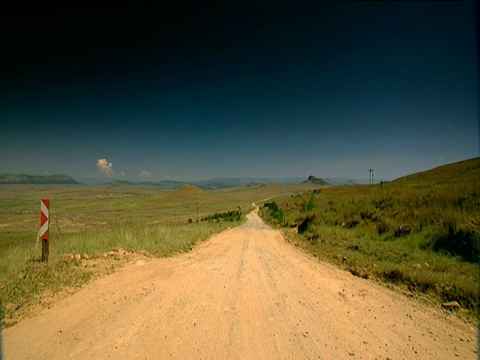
(36, 179)
(421, 231)
(232, 216)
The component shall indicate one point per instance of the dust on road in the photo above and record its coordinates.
(244, 294)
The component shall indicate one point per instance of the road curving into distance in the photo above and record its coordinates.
(244, 294)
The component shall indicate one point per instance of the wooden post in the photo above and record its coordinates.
(45, 249)
(44, 228)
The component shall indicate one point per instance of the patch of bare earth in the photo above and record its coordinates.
(244, 294)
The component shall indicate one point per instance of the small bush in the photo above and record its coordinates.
(394, 276)
(350, 224)
(305, 224)
(463, 243)
(368, 216)
(231, 216)
(308, 206)
(383, 204)
(403, 230)
(382, 228)
(276, 212)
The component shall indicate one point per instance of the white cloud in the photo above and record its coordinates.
(105, 167)
(144, 173)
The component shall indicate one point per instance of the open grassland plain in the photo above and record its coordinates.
(96, 229)
(419, 233)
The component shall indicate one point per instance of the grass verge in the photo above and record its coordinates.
(76, 258)
(420, 234)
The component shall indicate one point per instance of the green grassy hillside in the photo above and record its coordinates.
(468, 170)
(420, 232)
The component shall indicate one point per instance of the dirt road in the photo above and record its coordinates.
(244, 294)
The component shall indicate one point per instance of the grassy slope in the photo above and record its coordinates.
(93, 220)
(420, 232)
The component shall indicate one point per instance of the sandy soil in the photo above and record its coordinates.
(244, 294)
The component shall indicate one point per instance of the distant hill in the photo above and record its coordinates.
(170, 184)
(36, 179)
(467, 170)
(119, 183)
(314, 180)
(225, 182)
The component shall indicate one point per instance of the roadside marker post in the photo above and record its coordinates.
(44, 228)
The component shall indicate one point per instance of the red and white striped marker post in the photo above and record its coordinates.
(44, 227)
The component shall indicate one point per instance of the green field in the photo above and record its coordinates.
(420, 232)
(90, 221)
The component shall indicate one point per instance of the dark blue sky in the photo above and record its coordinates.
(257, 89)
